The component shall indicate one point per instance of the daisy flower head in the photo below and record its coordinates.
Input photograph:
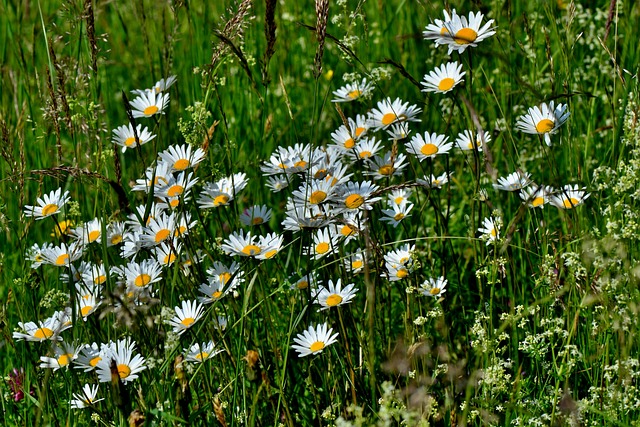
(444, 78)
(399, 263)
(255, 215)
(223, 191)
(139, 275)
(88, 357)
(226, 274)
(156, 177)
(308, 281)
(49, 329)
(390, 112)
(350, 225)
(167, 254)
(434, 181)
(125, 137)
(324, 243)
(200, 352)
(63, 255)
(387, 166)
(86, 398)
(490, 229)
(462, 33)
(34, 254)
(160, 229)
(243, 245)
(120, 354)
(568, 197)
(433, 287)
(213, 291)
(536, 196)
(543, 120)
(436, 30)
(429, 145)
(88, 232)
(399, 131)
(277, 184)
(314, 340)
(305, 217)
(94, 276)
(354, 262)
(397, 213)
(65, 354)
(469, 140)
(160, 86)
(115, 233)
(186, 316)
(334, 295)
(176, 187)
(513, 182)
(49, 204)
(353, 91)
(182, 157)
(315, 192)
(271, 244)
(357, 195)
(88, 305)
(365, 149)
(149, 103)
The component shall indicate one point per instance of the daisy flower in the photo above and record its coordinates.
(149, 103)
(334, 295)
(314, 193)
(255, 215)
(357, 195)
(271, 244)
(433, 287)
(354, 262)
(88, 357)
(490, 229)
(398, 262)
(88, 232)
(86, 398)
(353, 91)
(536, 196)
(49, 204)
(115, 233)
(34, 254)
(309, 280)
(167, 254)
(49, 329)
(428, 146)
(324, 243)
(462, 33)
(397, 213)
(569, 197)
(277, 184)
(437, 30)
(63, 255)
(399, 131)
(156, 177)
(186, 316)
(182, 157)
(304, 217)
(95, 276)
(126, 138)
(160, 86)
(240, 244)
(387, 166)
(513, 182)
(87, 305)
(350, 226)
(434, 181)
(543, 120)
(200, 352)
(64, 354)
(468, 140)
(314, 340)
(160, 229)
(141, 275)
(213, 291)
(343, 139)
(444, 78)
(224, 274)
(399, 196)
(222, 192)
(121, 354)
(389, 112)
(365, 149)
(176, 187)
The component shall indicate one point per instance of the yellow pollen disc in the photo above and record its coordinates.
(250, 250)
(142, 280)
(398, 200)
(150, 110)
(320, 173)
(348, 230)
(316, 346)
(389, 118)
(398, 216)
(444, 31)
(570, 202)
(270, 254)
(300, 164)
(465, 36)
(322, 248)
(175, 190)
(334, 300)
(38, 258)
(429, 149)
(537, 202)
(181, 164)
(354, 201)
(169, 258)
(354, 94)
(434, 291)
(404, 260)
(257, 220)
(356, 264)
(64, 359)
(402, 273)
(317, 196)
(359, 132)
(100, 279)
(446, 84)
(224, 277)
(188, 321)
(303, 284)
(162, 235)
(86, 310)
(493, 232)
(544, 126)
(365, 154)
(129, 141)
(216, 294)
(220, 200)
(93, 362)
(473, 144)
(349, 143)
(201, 356)
(116, 239)
(43, 333)
(124, 371)
(62, 259)
(49, 209)
(282, 166)
(93, 236)
(386, 170)
(174, 202)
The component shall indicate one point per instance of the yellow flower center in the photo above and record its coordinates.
(168, 259)
(474, 144)
(93, 236)
(187, 321)
(365, 154)
(174, 202)
(389, 118)
(348, 230)
(446, 84)
(62, 259)
(181, 164)
(544, 126)
(398, 216)
(402, 273)
(129, 141)
(175, 190)
(386, 170)
(43, 333)
(302, 284)
(100, 279)
(270, 254)
(220, 200)
(124, 370)
(334, 300)
(86, 310)
(356, 264)
(162, 235)
(300, 164)
(354, 201)
(224, 277)
(257, 220)
(493, 232)
(49, 209)
(201, 356)
(354, 94)
(570, 202)
(359, 132)
(465, 36)
(317, 197)
(322, 248)
(398, 200)
(64, 359)
(142, 280)
(537, 202)
(116, 239)
(434, 291)
(251, 250)
(216, 294)
(316, 346)
(150, 110)
(349, 143)
(429, 149)
(93, 362)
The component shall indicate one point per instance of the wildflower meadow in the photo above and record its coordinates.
(321, 213)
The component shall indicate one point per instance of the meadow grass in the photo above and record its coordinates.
(536, 325)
